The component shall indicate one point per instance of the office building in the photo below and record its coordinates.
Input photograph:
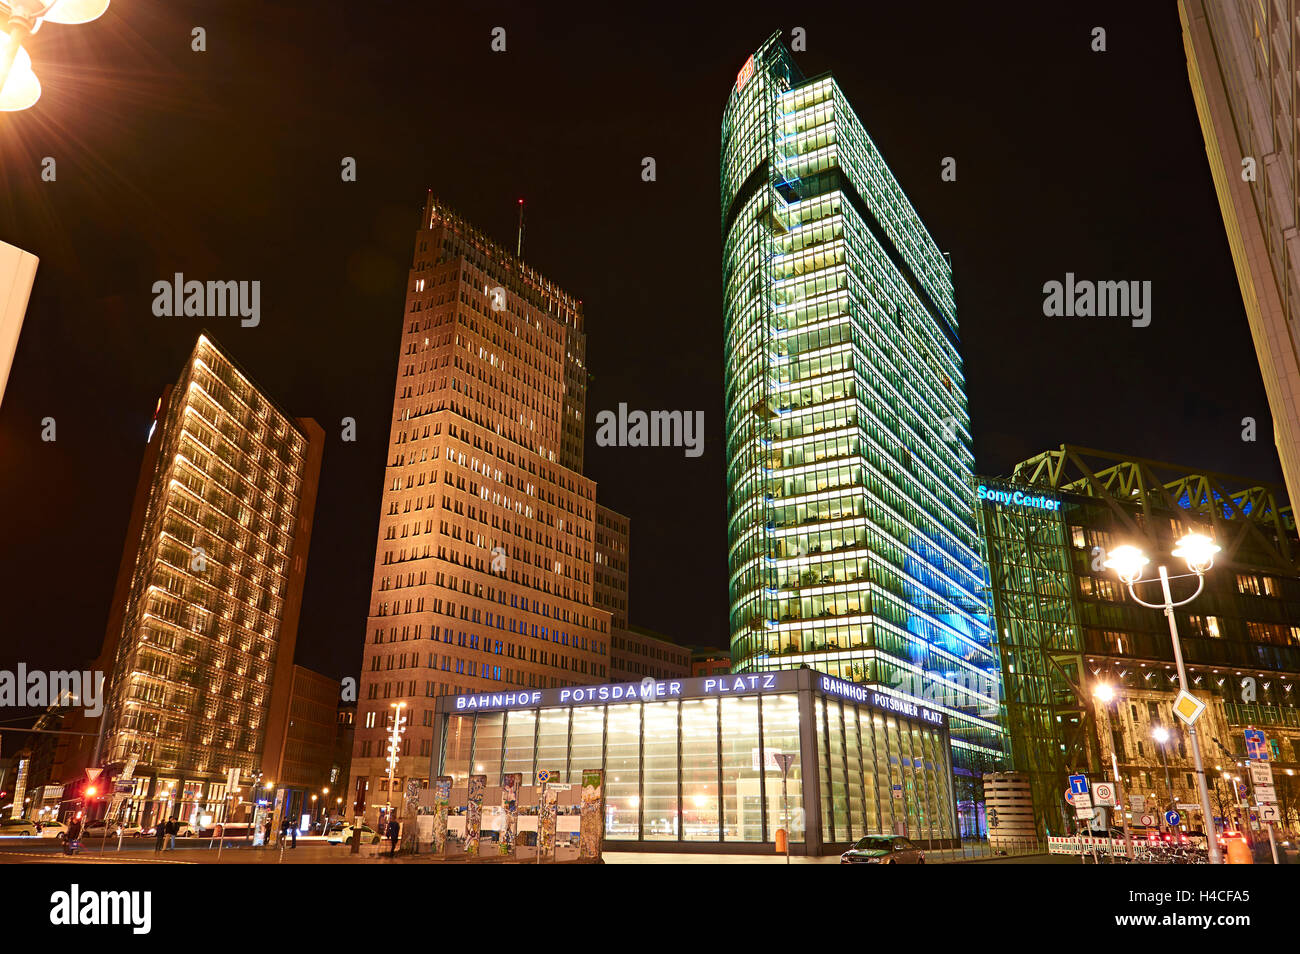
(199, 648)
(610, 576)
(302, 762)
(17, 274)
(1068, 630)
(852, 545)
(1241, 62)
(708, 661)
(483, 574)
(636, 654)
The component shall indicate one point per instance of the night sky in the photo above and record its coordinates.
(225, 165)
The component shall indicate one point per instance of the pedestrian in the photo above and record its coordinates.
(293, 836)
(72, 839)
(394, 833)
(160, 833)
(173, 827)
(266, 840)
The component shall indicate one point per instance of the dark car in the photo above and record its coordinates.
(883, 850)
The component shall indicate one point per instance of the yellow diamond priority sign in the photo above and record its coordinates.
(1187, 707)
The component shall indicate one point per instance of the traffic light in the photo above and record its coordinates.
(90, 791)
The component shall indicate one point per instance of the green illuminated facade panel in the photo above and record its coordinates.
(852, 545)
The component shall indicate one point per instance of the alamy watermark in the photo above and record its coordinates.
(194, 299)
(626, 428)
(1083, 298)
(37, 689)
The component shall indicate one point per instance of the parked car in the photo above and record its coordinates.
(342, 834)
(53, 829)
(11, 827)
(883, 850)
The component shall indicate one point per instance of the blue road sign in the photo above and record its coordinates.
(1256, 745)
(1172, 818)
(1079, 784)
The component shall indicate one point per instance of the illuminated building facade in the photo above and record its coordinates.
(483, 574)
(1242, 60)
(852, 544)
(202, 634)
(610, 576)
(1065, 626)
(691, 764)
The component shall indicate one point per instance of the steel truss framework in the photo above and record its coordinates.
(1034, 598)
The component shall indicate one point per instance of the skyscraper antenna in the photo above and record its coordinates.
(519, 243)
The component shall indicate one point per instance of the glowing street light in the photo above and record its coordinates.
(1128, 563)
(1103, 692)
(394, 750)
(19, 19)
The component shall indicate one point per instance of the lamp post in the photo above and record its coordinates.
(1198, 550)
(1161, 736)
(1105, 693)
(20, 19)
(394, 743)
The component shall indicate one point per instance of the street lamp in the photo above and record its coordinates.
(394, 742)
(1198, 551)
(19, 19)
(1104, 693)
(1161, 735)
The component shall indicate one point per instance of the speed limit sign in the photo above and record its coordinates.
(1103, 793)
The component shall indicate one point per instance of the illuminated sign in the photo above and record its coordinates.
(695, 687)
(745, 75)
(647, 690)
(1018, 498)
(878, 700)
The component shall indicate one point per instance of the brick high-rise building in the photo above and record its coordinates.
(201, 634)
(483, 575)
(613, 545)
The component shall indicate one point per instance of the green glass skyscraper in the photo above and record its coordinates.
(851, 537)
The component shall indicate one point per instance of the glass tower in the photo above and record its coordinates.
(851, 538)
(202, 662)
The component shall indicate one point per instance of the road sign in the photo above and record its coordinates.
(543, 776)
(1069, 796)
(1172, 819)
(1137, 803)
(1187, 707)
(1147, 821)
(1269, 813)
(1084, 813)
(1265, 794)
(1261, 773)
(1079, 784)
(93, 773)
(1188, 807)
(1241, 790)
(1082, 801)
(898, 791)
(1103, 793)
(1256, 745)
